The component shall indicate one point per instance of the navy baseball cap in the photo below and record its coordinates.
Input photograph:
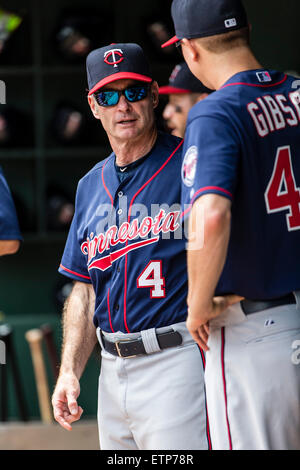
(202, 18)
(183, 81)
(116, 62)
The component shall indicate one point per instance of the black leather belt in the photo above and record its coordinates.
(253, 306)
(132, 348)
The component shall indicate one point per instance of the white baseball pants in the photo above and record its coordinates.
(153, 402)
(252, 379)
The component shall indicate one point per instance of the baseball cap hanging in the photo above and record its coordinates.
(202, 18)
(116, 62)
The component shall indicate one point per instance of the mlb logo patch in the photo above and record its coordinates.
(263, 77)
(230, 23)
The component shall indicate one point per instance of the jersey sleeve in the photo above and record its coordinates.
(9, 225)
(210, 160)
(73, 262)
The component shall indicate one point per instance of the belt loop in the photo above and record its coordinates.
(98, 333)
(150, 342)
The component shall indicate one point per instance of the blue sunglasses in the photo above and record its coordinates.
(112, 97)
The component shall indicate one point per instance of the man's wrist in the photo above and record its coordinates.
(67, 370)
(197, 309)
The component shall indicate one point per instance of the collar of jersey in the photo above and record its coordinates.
(134, 164)
(249, 78)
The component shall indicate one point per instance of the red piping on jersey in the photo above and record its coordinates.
(207, 418)
(109, 314)
(152, 177)
(206, 188)
(224, 384)
(256, 85)
(105, 187)
(129, 214)
(125, 293)
(73, 272)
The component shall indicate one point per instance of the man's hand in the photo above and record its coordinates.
(198, 322)
(9, 247)
(64, 400)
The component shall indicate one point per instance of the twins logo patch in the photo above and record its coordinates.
(189, 165)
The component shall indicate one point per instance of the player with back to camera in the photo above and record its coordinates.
(184, 90)
(126, 253)
(241, 175)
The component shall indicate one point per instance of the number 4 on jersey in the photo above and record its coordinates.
(282, 192)
(152, 277)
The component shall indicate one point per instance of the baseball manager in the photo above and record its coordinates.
(126, 253)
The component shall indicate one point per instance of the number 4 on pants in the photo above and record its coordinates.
(282, 192)
(152, 277)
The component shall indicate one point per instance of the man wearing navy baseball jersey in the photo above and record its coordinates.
(183, 91)
(241, 177)
(10, 235)
(126, 253)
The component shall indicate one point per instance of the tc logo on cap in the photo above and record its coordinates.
(113, 57)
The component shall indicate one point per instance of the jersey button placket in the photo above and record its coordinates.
(120, 206)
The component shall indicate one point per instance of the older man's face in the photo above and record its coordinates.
(127, 121)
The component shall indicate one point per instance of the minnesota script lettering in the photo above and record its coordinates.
(94, 245)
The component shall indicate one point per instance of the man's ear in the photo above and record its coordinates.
(190, 49)
(154, 94)
(93, 106)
